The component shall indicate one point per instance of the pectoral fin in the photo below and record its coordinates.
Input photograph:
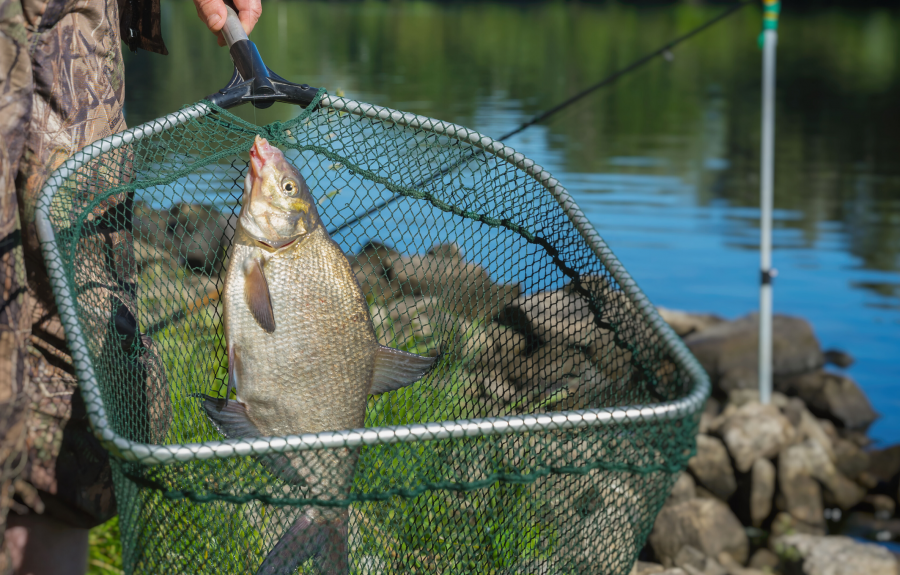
(230, 419)
(395, 369)
(256, 293)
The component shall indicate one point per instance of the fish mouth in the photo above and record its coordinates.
(261, 152)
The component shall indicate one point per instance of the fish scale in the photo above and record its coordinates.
(302, 354)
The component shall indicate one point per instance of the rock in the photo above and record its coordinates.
(882, 505)
(763, 560)
(839, 358)
(684, 323)
(411, 320)
(808, 427)
(496, 386)
(613, 527)
(683, 489)
(370, 266)
(839, 490)
(732, 568)
(462, 287)
(196, 233)
(754, 431)
(555, 318)
(493, 346)
(741, 397)
(834, 555)
(689, 556)
(786, 524)
(706, 524)
(849, 458)
(830, 396)
(729, 351)
(802, 494)
(884, 464)
(712, 467)
(762, 490)
(644, 568)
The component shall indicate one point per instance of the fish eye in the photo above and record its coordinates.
(290, 187)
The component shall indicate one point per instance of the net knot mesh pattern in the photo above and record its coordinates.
(558, 414)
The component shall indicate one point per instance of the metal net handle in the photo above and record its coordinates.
(153, 454)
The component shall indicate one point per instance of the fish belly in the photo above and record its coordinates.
(314, 372)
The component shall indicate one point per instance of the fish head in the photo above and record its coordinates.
(278, 207)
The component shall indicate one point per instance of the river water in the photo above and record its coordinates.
(664, 163)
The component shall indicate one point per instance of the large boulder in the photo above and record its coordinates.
(834, 555)
(831, 396)
(705, 524)
(712, 467)
(753, 431)
(729, 351)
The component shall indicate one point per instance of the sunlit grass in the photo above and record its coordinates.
(417, 531)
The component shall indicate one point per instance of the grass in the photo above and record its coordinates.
(441, 531)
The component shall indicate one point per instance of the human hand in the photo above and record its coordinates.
(213, 13)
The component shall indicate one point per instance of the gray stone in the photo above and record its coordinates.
(689, 556)
(462, 287)
(831, 396)
(610, 526)
(196, 233)
(712, 467)
(802, 494)
(762, 490)
(728, 351)
(755, 431)
(763, 560)
(706, 524)
(884, 464)
(683, 489)
(834, 555)
(815, 460)
(645, 568)
(371, 266)
(849, 458)
(684, 323)
(839, 358)
(555, 317)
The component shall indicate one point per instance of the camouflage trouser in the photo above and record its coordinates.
(61, 88)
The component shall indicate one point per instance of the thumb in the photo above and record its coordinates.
(212, 12)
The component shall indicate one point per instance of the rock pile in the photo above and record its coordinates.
(768, 482)
(518, 352)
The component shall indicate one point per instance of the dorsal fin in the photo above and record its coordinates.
(256, 293)
(395, 369)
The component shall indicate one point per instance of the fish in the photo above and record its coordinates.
(302, 353)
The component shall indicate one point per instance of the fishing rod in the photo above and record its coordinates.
(611, 79)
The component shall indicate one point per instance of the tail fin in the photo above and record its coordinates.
(311, 537)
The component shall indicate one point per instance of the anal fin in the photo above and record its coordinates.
(230, 418)
(395, 369)
(256, 293)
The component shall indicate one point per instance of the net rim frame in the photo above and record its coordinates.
(156, 454)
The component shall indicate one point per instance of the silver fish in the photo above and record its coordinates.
(302, 354)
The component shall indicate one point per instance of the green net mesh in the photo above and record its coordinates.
(545, 439)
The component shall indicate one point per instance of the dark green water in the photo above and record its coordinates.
(665, 163)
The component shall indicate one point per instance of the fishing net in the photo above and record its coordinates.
(546, 438)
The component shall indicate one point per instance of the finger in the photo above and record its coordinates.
(249, 12)
(212, 12)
